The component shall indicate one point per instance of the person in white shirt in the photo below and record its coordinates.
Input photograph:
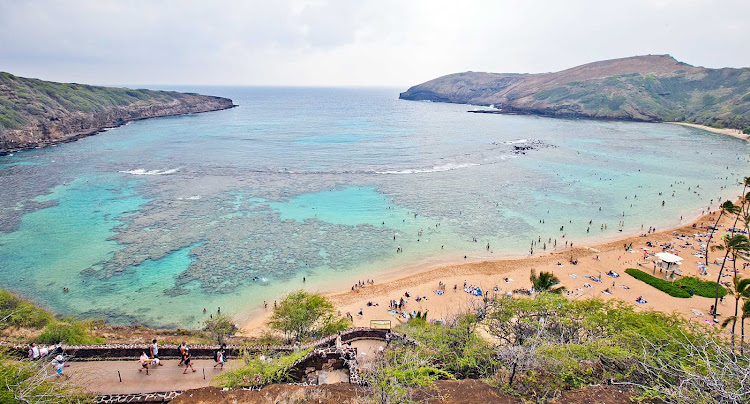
(155, 353)
(59, 364)
(145, 361)
(34, 352)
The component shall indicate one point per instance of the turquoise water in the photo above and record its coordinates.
(154, 221)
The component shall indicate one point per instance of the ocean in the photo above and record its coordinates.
(154, 221)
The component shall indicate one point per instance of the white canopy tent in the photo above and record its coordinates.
(669, 263)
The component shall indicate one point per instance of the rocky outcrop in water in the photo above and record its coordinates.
(650, 88)
(36, 113)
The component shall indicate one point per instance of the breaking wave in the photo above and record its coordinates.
(141, 171)
(434, 169)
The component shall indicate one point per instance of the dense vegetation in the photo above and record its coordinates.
(19, 313)
(535, 348)
(547, 344)
(262, 369)
(647, 88)
(35, 382)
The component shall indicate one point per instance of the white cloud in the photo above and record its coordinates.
(342, 42)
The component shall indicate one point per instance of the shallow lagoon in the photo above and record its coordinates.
(151, 222)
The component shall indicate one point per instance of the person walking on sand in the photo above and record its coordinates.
(186, 360)
(145, 362)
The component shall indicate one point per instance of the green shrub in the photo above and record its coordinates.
(667, 287)
(69, 332)
(456, 347)
(18, 312)
(33, 382)
(700, 287)
(259, 372)
(549, 343)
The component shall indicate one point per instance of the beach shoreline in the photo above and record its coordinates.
(595, 258)
(731, 132)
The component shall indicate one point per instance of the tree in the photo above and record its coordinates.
(220, 326)
(35, 382)
(301, 314)
(395, 375)
(745, 314)
(744, 198)
(726, 207)
(545, 282)
(739, 246)
(740, 288)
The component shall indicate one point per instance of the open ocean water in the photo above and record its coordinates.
(153, 221)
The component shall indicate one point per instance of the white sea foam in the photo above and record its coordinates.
(142, 171)
(435, 169)
(517, 141)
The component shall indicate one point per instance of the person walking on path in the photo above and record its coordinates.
(59, 364)
(183, 349)
(186, 360)
(220, 357)
(155, 353)
(145, 362)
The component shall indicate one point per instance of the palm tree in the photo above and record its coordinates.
(740, 289)
(726, 207)
(545, 282)
(739, 246)
(745, 314)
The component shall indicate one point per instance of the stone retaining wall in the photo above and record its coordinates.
(137, 398)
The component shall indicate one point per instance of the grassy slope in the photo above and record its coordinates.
(22, 99)
(648, 88)
(721, 98)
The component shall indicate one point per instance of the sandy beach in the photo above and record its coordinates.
(506, 275)
(731, 132)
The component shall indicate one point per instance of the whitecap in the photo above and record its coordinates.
(434, 169)
(142, 171)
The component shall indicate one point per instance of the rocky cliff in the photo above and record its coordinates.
(644, 88)
(36, 113)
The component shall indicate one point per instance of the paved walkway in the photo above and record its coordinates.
(101, 376)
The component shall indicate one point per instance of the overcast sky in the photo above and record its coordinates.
(347, 42)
